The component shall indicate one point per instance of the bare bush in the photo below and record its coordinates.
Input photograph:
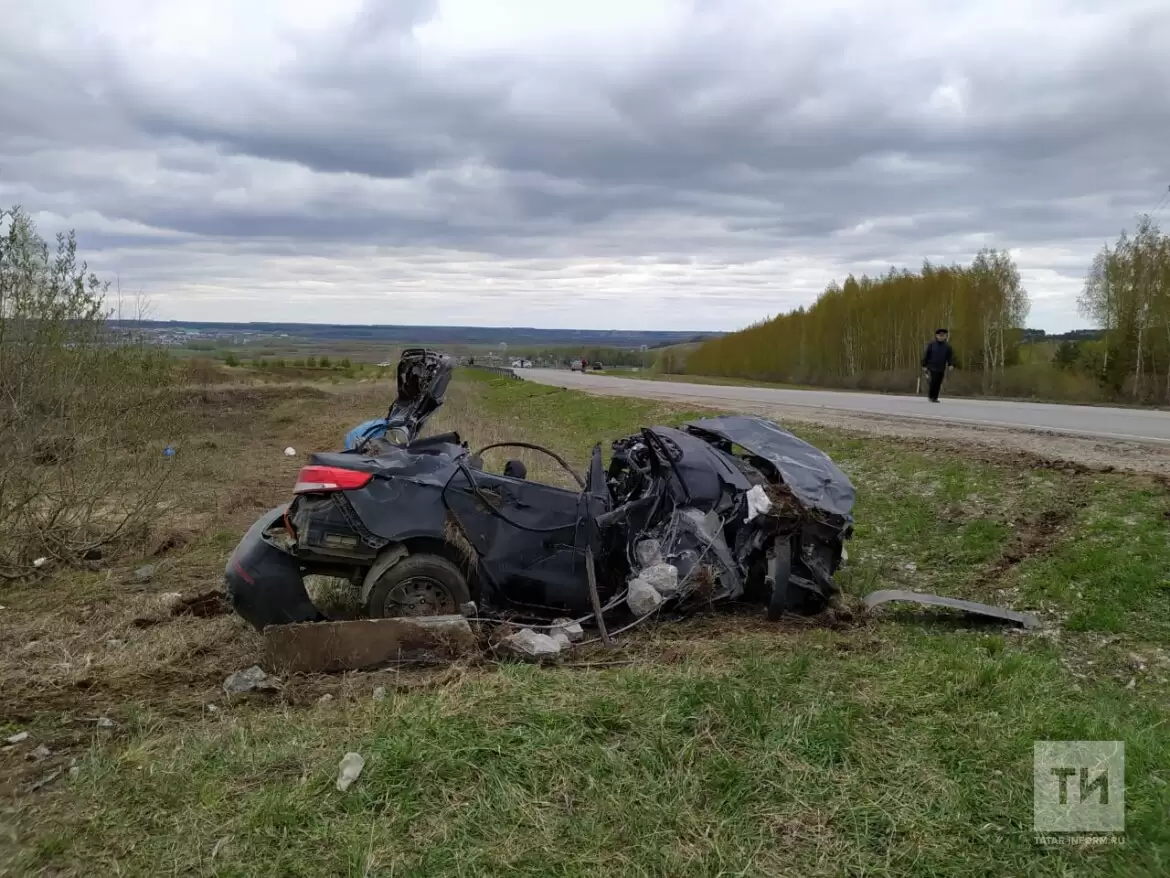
(86, 407)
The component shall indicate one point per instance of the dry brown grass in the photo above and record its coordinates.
(70, 640)
(87, 641)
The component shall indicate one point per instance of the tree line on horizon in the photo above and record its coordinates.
(869, 333)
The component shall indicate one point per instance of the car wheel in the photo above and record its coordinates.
(419, 585)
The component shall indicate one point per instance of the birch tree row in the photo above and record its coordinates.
(875, 325)
(1127, 294)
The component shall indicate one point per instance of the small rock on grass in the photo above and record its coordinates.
(252, 679)
(643, 598)
(348, 771)
(325, 699)
(664, 578)
(104, 722)
(379, 693)
(561, 638)
(572, 630)
(18, 738)
(41, 753)
(527, 644)
(144, 574)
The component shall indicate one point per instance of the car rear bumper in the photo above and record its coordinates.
(264, 584)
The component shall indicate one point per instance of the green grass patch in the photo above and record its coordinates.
(724, 746)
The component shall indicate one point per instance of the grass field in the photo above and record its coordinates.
(725, 745)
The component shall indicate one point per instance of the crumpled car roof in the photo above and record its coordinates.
(806, 470)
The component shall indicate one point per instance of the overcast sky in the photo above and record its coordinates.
(594, 163)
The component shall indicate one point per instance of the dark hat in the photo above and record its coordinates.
(937, 331)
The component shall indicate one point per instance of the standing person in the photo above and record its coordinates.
(937, 360)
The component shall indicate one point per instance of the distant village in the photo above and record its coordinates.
(181, 336)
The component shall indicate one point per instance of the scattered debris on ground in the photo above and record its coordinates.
(252, 679)
(349, 770)
(528, 644)
(643, 598)
(572, 631)
(205, 605)
(877, 598)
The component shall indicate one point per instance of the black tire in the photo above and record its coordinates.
(440, 585)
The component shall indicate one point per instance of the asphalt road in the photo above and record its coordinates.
(1141, 425)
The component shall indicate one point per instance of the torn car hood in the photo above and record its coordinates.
(811, 475)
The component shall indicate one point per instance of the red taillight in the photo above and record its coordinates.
(323, 479)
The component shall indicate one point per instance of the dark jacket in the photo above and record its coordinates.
(937, 356)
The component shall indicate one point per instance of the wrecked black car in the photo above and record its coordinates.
(719, 510)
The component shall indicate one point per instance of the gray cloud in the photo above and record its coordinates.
(681, 164)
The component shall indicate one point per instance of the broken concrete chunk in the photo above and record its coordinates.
(664, 578)
(379, 693)
(352, 645)
(41, 753)
(561, 638)
(526, 643)
(144, 574)
(251, 680)
(104, 722)
(643, 598)
(18, 738)
(572, 630)
(648, 553)
(348, 771)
